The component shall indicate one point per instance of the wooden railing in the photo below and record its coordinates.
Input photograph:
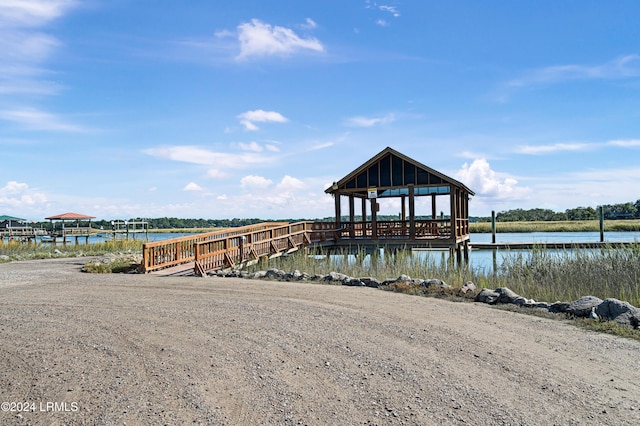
(430, 228)
(228, 252)
(175, 251)
(231, 247)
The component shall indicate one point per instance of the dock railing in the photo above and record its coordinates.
(163, 254)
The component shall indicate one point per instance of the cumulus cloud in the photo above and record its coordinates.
(361, 121)
(247, 119)
(32, 12)
(192, 186)
(485, 182)
(257, 38)
(289, 183)
(252, 181)
(18, 195)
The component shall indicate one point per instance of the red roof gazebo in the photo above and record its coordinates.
(77, 231)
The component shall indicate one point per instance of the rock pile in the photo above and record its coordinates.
(611, 309)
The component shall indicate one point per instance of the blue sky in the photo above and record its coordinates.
(204, 109)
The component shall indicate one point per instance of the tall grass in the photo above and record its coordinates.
(558, 226)
(540, 274)
(21, 251)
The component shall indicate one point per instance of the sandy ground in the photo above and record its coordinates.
(138, 349)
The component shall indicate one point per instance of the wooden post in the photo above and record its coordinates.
(336, 196)
(412, 213)
(434, 215)
(601, 214)
(453, 207)
(493, 226)
(352, 219)
(364, 217)
(374, 222)
(403, 210)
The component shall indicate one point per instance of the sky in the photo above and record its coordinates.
(252, 108)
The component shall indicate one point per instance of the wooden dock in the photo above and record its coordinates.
(551, 245)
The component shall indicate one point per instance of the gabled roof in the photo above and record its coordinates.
(70, 216)
(15, 219)
(390, 170)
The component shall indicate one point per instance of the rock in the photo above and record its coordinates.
(434, 282)
(559, 307)
(487, 296)
(336, 277)
(541, 305)
(370, 282)
(621, 312)
(506, 295)
(582, 307)
(274, 273)
(354, 282)
(403, 278)
(467, 287)
(296, 275)
(259, 274)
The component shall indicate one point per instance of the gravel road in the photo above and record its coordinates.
(81, 348)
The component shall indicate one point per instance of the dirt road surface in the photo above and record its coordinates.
(81, 348)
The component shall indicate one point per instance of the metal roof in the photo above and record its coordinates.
(69, 216)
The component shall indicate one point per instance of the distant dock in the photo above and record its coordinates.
(551, 245)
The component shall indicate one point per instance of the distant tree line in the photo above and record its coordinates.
(610, 211)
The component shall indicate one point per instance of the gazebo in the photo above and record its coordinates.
(71, 231)
(390, 174)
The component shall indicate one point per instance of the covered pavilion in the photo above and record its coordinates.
(390, 174)
(82, 226)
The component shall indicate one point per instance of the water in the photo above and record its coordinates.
(555, 237)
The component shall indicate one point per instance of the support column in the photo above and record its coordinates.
(403, 209)
(374, 223)
(336, 196)
(352, 217)
(364, 217)
(412, 213)
(434, 213)
(453, 208)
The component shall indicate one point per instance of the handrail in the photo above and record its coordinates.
(175, 251)
(227, 252)
(229, 247)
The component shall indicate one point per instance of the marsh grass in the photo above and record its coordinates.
(541, 274)
(21, 251)
(557, 226)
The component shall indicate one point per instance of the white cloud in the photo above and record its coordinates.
(382, 23)
(628, 143)
(32, 12)
(289, 183)
(38, 120)
(309, 24)
(18, 195)
(192, 186)
(248, 118)
(622, 67)
(272, 148)
(260, 39)
(391, 9)
(485, 182)
(252, 181)
(252, 146)
(199, 155)
(361, 121)
(216, 174)
(23, 47)
(545, 149)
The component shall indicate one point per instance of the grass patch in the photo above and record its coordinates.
(557, 226)
(118, 265)
(23, 251)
